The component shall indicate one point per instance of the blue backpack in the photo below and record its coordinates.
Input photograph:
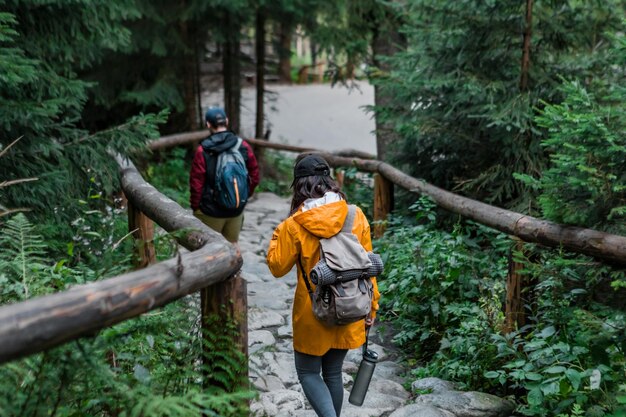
(231, 178)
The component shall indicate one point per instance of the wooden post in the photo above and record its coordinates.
(515, 285)
(142, 229)
(228, 300)
(383, 203)
(339, 177)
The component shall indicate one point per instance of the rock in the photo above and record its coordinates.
(267, 383)
(420, 410)
(351, 367)
(260, 319)
(389, 370)
(284, 331)
(468, 404)
(389, 388)
(280, 402)
(432, 385)
(259, 339)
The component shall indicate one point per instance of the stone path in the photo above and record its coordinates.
(272, 369)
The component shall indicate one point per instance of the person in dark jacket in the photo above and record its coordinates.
(228, 222)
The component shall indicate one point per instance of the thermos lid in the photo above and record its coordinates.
(370, 355)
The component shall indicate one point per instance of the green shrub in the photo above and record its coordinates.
(585, 184)
(147, 366)
(443, 291)
(572, 353)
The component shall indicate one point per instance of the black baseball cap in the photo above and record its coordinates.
(215, 116)
(311, 165)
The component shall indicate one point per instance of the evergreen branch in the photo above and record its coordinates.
(11, 211)
(5, 150)
(100, 133)
(13, 182)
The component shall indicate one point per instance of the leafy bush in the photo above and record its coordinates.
(280, 175)
(585, 183)
(171, 175)
(573, 352)
(443, 291)
(148, 366)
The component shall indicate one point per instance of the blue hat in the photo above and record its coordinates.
(215, 116)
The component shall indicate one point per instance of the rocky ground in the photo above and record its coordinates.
(272, 370)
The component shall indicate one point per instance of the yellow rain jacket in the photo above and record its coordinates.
(298, 236)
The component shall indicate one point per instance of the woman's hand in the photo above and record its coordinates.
(369, 321)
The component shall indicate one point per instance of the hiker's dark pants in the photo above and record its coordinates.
(325, 391)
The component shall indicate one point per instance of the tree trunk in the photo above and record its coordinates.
(190, 73)
(383, 203)
(386, 41)
(231, 71)
(284, 52)
(142, 229)
(515, 286)
(526, 46)
(228, 300)
(260, 72)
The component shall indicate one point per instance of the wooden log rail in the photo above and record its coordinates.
(44, 322)
(530, 229)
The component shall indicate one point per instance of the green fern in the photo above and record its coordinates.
(225, 365)
(21, 260)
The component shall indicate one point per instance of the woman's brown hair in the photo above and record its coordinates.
(314, 186)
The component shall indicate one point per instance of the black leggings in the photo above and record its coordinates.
(325, 391)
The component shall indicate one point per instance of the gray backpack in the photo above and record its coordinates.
(344, 289)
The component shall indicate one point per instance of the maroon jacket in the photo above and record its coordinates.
(198, 176)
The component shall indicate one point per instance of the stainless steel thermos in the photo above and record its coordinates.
(363, 377)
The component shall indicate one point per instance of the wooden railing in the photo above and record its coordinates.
(527, 228)
(521, 227)
(209, 264)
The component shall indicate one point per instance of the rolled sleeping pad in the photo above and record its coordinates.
(321, 274)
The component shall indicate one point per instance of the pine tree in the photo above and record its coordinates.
(463, 101)
(42, 49)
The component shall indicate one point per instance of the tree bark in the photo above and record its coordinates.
(142, 229)
(189, 73)
(260, 73)
(284, 52)
(530, 229)
(386, 41)
(227, 299)
(526, 46)
(231, 71)
(383, 203)
(515, 284)
(44, 322)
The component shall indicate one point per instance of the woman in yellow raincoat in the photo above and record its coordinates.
(318, 210)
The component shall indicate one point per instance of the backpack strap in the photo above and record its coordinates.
(306, 278)
(347, 228)
(347, 224)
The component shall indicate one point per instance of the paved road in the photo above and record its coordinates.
(315, 115)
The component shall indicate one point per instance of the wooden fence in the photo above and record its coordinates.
(521, 227)
(209, 264)
(212, 263)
